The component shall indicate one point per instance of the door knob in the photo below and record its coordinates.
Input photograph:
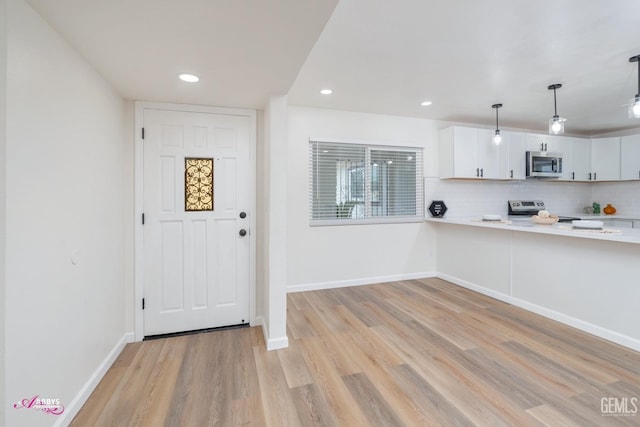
(243, 215)
(243, 232)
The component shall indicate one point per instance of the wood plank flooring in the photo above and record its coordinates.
(415, 353)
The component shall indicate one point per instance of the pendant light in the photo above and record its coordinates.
(634, 104)
(556, 123)
(497, 138)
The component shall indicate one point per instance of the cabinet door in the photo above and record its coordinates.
(580, 159)
(465, 161)
(605, 159)
(515, 144)
(453, 161)
(563, 145)
(630, 157)
(559, 144)
(543, 142)
(538, 142)
(487, 155)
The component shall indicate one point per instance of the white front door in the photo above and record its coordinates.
(196, 200)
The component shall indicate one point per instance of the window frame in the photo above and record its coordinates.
(369, 218)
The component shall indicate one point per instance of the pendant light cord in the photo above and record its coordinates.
(638, 94)
(497, 106)
(637, 59)
(555, 104)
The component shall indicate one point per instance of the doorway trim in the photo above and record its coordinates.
(138, 280)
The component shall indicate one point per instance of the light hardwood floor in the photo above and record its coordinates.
(415, 353)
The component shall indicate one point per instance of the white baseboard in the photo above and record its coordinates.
(276, 343)
(358, 282)
(479, 289)
(72, 409)
(271, 343)
(590, 328)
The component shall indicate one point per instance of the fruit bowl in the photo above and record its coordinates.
(544, 220)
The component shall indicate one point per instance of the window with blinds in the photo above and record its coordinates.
(356, 183)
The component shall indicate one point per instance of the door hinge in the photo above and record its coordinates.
(142, 218)
(142, 133)
(143, 303)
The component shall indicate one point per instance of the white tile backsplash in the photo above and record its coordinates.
(466, 198)
(625, 196)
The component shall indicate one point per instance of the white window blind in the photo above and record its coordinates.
(351, 183)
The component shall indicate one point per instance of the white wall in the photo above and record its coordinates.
(262, 203)
(3, 91)
(65, 151)
(272, 249)
(338, 255)
(129, 215)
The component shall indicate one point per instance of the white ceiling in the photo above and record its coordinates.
(378, 56)
(243, 50)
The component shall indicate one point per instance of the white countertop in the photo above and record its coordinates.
(626, 235)
(607, 217)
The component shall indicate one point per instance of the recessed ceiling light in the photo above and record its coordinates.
(426, 103)
(189, 78)
(326, 91)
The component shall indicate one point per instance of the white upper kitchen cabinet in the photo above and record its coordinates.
(490, 155)
(578, 166)
(466, 152)
(536, 142)
(605, 159)
(630, 157)
(551, 143)
(515, 143)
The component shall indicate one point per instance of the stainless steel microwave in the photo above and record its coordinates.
(543, 164)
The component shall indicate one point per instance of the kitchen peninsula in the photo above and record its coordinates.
(587, 280)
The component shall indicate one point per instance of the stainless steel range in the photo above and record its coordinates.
(531, 207)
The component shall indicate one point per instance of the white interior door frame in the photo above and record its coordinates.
(140, 106)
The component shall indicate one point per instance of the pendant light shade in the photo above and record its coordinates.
(634, 104)
(556, 123)
(497, 138)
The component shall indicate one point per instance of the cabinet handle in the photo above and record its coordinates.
(511, 173)
(541, 146)
(594, 176)
(589, 176)
(478, 172)
(545, 146)
(573, 175)
(481, 172)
